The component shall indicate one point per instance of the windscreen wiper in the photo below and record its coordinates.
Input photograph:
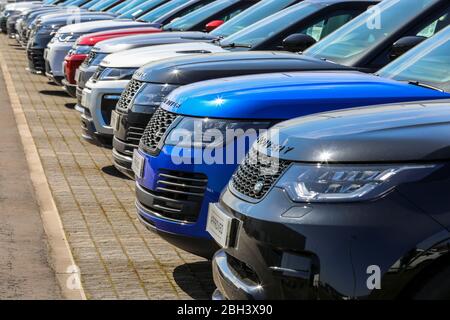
(425, 85)
(236, 45)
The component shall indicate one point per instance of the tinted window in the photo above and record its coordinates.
(352, 41)
(144, 7)
(257, 12)
(270, 26)
(172, 5)
(427, 63)
(194, 18)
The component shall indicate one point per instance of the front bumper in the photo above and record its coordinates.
(54, 58)
(131, 126)
(324, 254)
(100, 99)
(71, 89)
(180, 212)
(84, 74)
(36, 62)
(35, 51)
(89, 132)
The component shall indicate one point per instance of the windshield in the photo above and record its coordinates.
(142, 8)
(117, 5)
(268, 27)
(348, 44)
(161, 10)
(428, 63)
(259, 11)
(127, 6)
(194, 18)
(90, 4)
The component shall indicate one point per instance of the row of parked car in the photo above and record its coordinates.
(303, 146)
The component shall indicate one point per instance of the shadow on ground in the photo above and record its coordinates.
(112, 171)
(58, 93)
(195, 279)
(70, 105)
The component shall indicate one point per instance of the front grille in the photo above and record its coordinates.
(90, 58)
(257, 173)
(178, 195)
(128, 94)
(3, 23)
(134, 135)
(36, 59)
(156, 128)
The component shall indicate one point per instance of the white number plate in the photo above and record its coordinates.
(84, 99)
(138, 164)
(77, 75)
(114, 120)
(219, 225)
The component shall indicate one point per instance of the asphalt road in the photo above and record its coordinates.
(25, 271)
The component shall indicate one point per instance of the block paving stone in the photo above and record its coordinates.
(117, 256)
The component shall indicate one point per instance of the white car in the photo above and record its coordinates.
(103, 90)
(66, 37)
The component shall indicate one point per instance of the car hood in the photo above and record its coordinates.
(136, 58)
(283, 96)
(413, 132)
(194, 68)
(136, 41)
(94, 26)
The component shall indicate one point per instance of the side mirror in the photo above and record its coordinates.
(213, 25)
(298, 42)
(403, 45)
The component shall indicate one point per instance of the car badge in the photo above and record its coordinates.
(258, 187)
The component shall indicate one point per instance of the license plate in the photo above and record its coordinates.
(138, 164)
(114, 120)
(84, 98)
(77, 76)
(221, 226)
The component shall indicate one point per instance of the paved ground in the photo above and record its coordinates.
(118, 258)
(25, 271)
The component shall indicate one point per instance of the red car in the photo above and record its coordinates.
(83, 46)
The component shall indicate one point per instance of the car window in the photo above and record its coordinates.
(348, 44)
(272, 25)
(248, 17)
(211, 11)
(435, 26)
(427, 63)
(327, 25)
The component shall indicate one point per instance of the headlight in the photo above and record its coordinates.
(347, 183)
(117, 74)
(80, 50)
(150, 96)
(46, 28)
(66, 37)
(212, 133)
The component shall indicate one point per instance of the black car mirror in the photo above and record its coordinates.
(298, 42)
(404, 44)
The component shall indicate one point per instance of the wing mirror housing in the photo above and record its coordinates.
(210, 26)
(298, 42)
(403, 45)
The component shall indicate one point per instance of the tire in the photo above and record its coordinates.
(436, 287)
